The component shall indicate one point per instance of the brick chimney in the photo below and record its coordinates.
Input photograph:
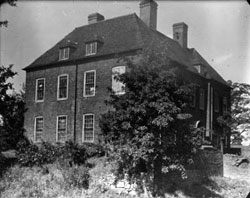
(148, 13)
(95, 17)
(180, 33)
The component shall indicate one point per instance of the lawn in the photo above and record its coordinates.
(55, 180)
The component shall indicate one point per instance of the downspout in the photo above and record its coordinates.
(212, 106)
(75, 108)
(208, 111)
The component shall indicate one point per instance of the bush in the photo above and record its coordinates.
(77, 177)
(31, 154)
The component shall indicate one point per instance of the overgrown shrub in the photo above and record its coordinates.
(30, 154)
(77, 177)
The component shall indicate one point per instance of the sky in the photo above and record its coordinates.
(218, 30)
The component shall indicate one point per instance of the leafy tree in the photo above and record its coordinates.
(147, 128)
(11, 3)
(240, 110)
(11, 110)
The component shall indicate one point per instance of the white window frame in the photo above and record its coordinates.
(91, 48)
(57, 118)
(203, 101)
(121, 92)
(64, 53)
(58, 86)
(35, 124)
(36, 99)
(83, 123)
(84, 83)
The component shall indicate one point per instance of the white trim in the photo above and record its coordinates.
(58, 80)
(83, 123)
(65, 127)
(36, 100)
(35, 127)
(63, 50)
(121, 92)
(84, 83)
(89, 48)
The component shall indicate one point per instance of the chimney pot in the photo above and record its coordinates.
(180, 33)
(95, 17)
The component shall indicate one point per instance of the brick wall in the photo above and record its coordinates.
(51, 107)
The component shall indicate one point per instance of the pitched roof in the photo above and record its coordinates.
(117, 35)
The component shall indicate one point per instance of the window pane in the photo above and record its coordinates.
(91, 48)
(38, 129)
(224, 104)
(64, 53)
(88, 128)
(61, 128)
(40, 89)
(63, 82)
(117, 86)
(90, 83)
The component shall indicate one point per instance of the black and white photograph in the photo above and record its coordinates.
(124, 99)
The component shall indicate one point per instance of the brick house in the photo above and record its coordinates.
(66, 86)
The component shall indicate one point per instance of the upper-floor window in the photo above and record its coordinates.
(64, 53)
(61, 132)
(88, 128)
(89, 83)
(40, 89)
(224, 105)
(202, 99)
(117, 86)
(38, 133)
(216, 102)
(91, 48)
(62, 87)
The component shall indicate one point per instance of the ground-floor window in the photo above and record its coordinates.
(88, 128)
(61, 133)
(38, 135)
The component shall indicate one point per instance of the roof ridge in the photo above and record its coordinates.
(105, 20)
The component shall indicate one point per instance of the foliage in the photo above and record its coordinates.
(12, 108)
(31, 154)
(11, 3)
(147, 128)
(239, 121)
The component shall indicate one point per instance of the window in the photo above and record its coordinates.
(216, 102)
(117, 86)
(193, 97)
(61, 134)
(38, 129)
(89, 83)
(224, 105)
(62, 87)
(64, 53)
(40, 89)
(88, 128)
(198, 68)
(202, 99)
(91, 48)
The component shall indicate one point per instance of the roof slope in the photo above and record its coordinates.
(120, 34)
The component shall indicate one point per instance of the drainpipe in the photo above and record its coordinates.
(208, 111)
(75, 108)
(212, 106)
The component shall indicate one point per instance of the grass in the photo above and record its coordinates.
(57, 181)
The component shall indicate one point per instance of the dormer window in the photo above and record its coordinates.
(91, 48)
(64, 53)
(198, 68)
